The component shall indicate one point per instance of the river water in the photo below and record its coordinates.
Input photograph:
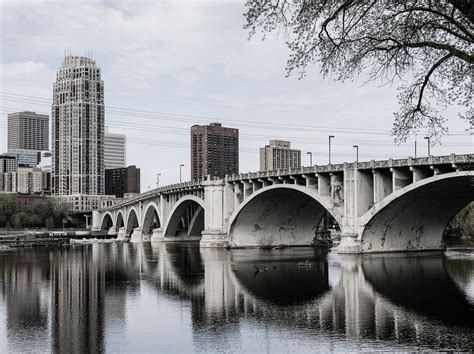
(119, 297)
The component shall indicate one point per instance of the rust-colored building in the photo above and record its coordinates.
(214, 151)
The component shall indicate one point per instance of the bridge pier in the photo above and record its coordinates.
(214, 239)
(122, 234)
(139, 236)
(350, 244)
(157, 235)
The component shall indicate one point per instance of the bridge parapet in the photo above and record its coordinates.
(286, 172)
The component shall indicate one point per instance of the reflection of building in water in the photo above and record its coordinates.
(23, 275)
(78, 299)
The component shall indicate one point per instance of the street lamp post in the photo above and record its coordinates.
(330, 137)
(180, 174)
(415, 146)
(158, 180)
(357, 153)
(310, 158)
(428, 138)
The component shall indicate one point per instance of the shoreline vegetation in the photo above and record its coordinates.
(49, 213)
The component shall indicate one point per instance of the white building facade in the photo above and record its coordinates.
(78, 128)
(115, 151)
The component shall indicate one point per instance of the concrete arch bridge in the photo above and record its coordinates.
(380, 206)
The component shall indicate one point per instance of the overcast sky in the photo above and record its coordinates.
(192, 61)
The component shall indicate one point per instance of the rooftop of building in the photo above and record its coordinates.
(78, 61)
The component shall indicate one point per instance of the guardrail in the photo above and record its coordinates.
(431, 160)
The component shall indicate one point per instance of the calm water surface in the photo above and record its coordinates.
(163, 297)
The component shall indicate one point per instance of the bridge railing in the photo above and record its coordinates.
(373, 164)
(431, 160)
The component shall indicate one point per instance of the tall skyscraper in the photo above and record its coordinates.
(114, 150)
(28, 131)
(214, 151)
(78, 128)
(278, 155)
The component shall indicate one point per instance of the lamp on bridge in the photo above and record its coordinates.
(428, 138)
(310, 158)
(158, 180)
(180, 174)
(330, 137)
(357, 153)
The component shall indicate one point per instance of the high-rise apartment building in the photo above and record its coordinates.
(279, 155)
(114, 150)
(28, 131)
(8, 163)
(78, 128)
(120, 181)
(214, 151)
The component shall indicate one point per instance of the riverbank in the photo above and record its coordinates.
(45, 238)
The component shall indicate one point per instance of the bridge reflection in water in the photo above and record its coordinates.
(88, 297)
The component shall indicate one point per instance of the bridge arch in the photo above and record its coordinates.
(132, 220)
(415, 217)
(186, 218)
(107, 222)
(280, 214)
(119, 222)
(151, 219)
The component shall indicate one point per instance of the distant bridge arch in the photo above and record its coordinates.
(120, 221)
(133, 220)
(186, 218)
(107, 222)
(151, 219)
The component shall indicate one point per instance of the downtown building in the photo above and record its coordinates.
(279, 155)
(115, 155)
(28, 137)
(122, 182)
(28, 131)
(214, 151)
(78, 129)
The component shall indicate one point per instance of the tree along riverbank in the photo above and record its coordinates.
(48, 213)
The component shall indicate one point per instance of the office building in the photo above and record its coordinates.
(114, 150)
(8, 163)
(26, 158)
(78, 128)
(120, 181)
(28, 131)
(279, 155)
(214, 151)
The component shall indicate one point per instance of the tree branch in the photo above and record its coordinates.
(427, 79)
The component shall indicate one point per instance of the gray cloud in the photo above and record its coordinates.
(191, 57)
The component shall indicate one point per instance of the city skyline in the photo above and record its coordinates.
(158, 74)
